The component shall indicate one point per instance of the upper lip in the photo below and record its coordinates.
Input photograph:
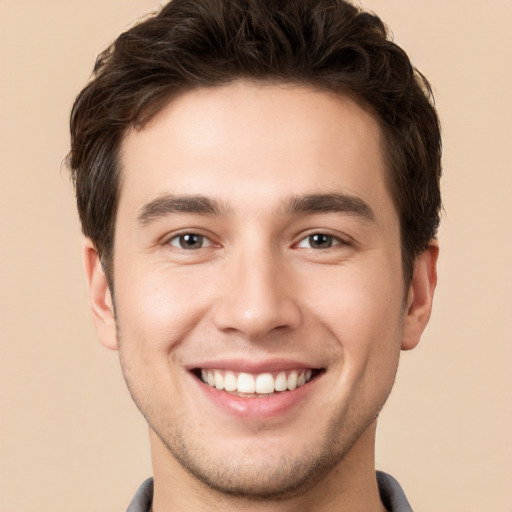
(250, 366)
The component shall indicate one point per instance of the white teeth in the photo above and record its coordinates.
(246, 383)
(292, 380)
(281, 383)
(230, 381)
(219, 380)
(262, 384)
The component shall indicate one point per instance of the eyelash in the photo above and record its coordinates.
(180, 241)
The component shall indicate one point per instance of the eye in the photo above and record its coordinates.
(319, 241)
(190, 241)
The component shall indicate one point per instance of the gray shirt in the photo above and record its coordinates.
(391, 494)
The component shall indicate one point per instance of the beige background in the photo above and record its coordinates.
(70, 439)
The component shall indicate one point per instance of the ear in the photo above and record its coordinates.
(420, 296)
(100, 299)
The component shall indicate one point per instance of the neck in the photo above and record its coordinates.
(351, 486)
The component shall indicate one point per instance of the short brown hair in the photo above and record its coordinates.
(330, 45)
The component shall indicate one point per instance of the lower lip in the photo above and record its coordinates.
(257, 408)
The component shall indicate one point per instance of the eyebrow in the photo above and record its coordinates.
(328, 203)
(295, 205)
(168, 204)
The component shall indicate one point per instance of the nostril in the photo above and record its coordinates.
(256, 309)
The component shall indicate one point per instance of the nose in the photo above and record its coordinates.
(257, 297)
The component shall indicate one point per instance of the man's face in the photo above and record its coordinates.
(257, 248)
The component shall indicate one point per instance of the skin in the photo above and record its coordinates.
(259, 289)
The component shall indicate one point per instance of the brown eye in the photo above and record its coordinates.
(319, 241)
(189, 241)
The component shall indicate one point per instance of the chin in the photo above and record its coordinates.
(260, 479)
(261, 474)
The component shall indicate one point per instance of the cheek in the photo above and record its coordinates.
(157, 308)
(363, 310)
(375, 358)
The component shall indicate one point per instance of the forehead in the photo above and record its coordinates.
(257, 141)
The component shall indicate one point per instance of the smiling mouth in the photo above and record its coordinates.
(260, 385)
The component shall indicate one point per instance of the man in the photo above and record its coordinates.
(258, 184)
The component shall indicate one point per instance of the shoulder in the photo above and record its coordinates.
(141, 502)
(392, 494)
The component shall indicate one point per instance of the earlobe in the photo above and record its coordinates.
(100, 299)
(420, 297)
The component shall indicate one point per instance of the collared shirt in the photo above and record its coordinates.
(391, 494)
